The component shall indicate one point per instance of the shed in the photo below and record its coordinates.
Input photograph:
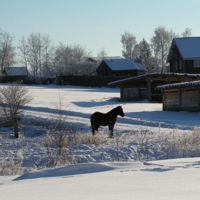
(15, 71)
(184, 55)
(13, 74)
(147, 83)
(119, 67)
(183, 96)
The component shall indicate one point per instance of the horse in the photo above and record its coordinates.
(98, 119)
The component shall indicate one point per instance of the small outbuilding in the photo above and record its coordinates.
(16, 74)
(183, 96)
(119, 67)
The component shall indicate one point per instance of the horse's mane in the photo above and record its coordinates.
(114, 110)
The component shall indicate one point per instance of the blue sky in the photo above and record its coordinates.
(97, 24)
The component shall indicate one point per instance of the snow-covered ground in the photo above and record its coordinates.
(144, 134)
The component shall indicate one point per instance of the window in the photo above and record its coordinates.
(197, 63)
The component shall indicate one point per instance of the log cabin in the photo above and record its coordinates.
(184, 55)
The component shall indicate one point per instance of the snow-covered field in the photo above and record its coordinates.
(145, 141)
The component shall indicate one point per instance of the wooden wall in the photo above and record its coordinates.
(130, 94)
(183, 99)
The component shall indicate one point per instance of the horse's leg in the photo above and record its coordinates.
(95, 129)
(111, 130)
(92, 126)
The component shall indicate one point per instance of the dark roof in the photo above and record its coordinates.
(159, 74)
(121, 65)
(188, 47)
(16, 71)
(178, 85)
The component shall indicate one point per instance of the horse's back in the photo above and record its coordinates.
(99, 118)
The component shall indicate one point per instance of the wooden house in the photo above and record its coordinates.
(184, 55)
(119, 67)
(183, 96)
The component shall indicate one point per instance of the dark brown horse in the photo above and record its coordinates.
(98, 119)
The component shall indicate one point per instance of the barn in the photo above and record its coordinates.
(183, 96)
(119, 67)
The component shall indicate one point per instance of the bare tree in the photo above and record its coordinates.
(12, 98)
(47, 57)
(7, 53)
(128, 41)
(187, 32)
(36, 52)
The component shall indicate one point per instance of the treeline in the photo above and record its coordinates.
(43, 59)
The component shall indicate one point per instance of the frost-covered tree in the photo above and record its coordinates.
(128, 41)
(68, 59)
(102, 54)
(146, 57)
(7, 50)
(161, 42)
(36, 52)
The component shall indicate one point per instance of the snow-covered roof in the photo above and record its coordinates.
(188, 47)
(16, 71)
(178, 85)
(156, 74)
(123, 64)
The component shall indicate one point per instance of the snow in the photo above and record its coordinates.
(16, 71)
(123, 64)
(179, 85)
(98, 175)
(188, 47)
(155, 74)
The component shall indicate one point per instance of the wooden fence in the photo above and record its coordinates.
(93, 81)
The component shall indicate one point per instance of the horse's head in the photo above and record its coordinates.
(120, 111)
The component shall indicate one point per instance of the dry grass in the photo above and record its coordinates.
(11, 166)
(88, 138)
